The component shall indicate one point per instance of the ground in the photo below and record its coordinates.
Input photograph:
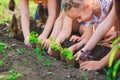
(26, 63)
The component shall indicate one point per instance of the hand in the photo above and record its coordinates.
(46, 43)
(42, 37)
(110, 36)
(75, 38)
(49, 51)
(91, 65)
(77, 55)
(26, 42)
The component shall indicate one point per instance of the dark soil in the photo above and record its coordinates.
(27, 65)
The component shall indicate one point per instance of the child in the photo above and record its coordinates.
(61, 31)
(25, 20)
(112, 18)
(87, 10)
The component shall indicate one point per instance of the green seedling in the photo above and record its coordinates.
(54, 46)
(2, 49)
(3, 60)
(14, 75)
(33, 37)
(67, 54)
(38, 54)
(3, 46)
(21, 51)
(47, 63)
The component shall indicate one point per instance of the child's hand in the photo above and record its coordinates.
(91, 65)
(26, 42)
(75, 38)
(110, 36)
(46, 43)
(42, 37)
(77, 55)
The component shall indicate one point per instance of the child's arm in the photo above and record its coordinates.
(100, 31)
(66, 30)
(25, 20)
(52, 7)
(58, 25)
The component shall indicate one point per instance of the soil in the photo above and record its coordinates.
(27, 65)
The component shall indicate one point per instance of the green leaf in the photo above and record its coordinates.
(115, 68)
(114, 50)
(116, 41)
(47, 63)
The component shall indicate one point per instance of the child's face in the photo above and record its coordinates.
(80, 14)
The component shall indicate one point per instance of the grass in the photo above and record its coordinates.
(5, 14)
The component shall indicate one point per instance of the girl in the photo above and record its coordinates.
(87, 10)
(112, 18)
(25, 20)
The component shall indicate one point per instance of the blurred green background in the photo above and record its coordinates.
(5, 14)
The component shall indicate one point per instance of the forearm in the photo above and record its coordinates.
(58, 25)
(25, 17)
(66, 29)
(51, 17)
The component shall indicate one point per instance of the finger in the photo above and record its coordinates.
(77, 58)
(75, 39)
(79, 39)
(84, 63)
(49, 51)
(71, 39)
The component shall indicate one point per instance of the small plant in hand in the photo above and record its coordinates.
(55, 48)
(33, 39)
(68, 55)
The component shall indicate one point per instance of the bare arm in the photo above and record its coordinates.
(66, 30)
(58, 25)
(52, 7)
(25, 17)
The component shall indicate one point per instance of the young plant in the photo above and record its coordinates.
(67, 54)
(47, 63)
(54, 46)
(21, 51)
(14, 75)
(38, 54)
(2, 50)
(3, 60)
(33, 37)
